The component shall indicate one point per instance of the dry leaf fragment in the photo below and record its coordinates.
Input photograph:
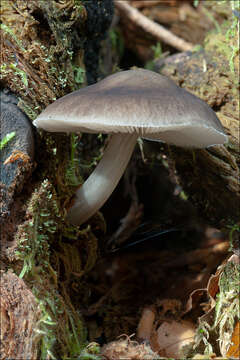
(234, 349)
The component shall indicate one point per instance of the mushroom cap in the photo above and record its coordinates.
(136, 101)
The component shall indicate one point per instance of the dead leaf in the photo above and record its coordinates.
(234, 350)
(194, 299)
(213, 288)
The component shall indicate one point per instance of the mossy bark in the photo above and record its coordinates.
(210, 177)
(44, 46)
(40, 42)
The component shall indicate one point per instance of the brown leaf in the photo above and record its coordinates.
(234, 350)
(194, 299)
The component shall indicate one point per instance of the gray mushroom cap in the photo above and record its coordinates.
(128, 104)
(136, 102)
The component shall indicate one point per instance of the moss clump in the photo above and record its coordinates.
(38, 55)
(45, 263)
(35, 234)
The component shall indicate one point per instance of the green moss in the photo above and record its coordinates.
(6, 139)
(21, 73)
(79, 74)
(11, 70)
(39, 72)
(34, 235)
(226, 39)
(72, 175)
(60, 331)
(10, 32)
(28, 110)
(45, 330)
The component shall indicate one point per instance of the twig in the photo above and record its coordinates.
(156, 30)
(146, 3)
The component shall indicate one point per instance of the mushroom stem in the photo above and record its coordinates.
(99, 186)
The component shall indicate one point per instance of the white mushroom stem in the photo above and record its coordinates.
(99, 186)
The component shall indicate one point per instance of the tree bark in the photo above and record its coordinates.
(210, 177)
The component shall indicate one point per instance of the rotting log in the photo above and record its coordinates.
(47, 47)
(19, 315)
(210, 177)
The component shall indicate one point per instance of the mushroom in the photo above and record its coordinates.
(128, 105)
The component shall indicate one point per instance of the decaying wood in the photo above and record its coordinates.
(44, 54)
(19, 315)
(36, 47)
(210, 177)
